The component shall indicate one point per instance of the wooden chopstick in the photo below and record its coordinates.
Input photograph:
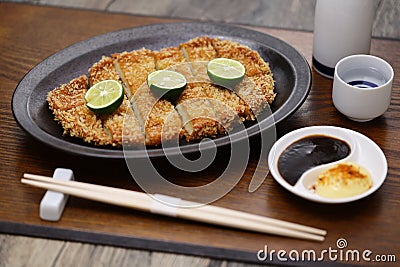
(204, 213)
(206, 208)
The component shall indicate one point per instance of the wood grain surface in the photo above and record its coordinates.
(286, 14)
(29, 34)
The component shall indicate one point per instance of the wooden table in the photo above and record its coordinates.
(29, 34)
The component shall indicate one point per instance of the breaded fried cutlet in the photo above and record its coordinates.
(123, 126)
(266, 84)
(198, 49)
(257, 70)
(229, 107)
(172, 58)
(69, 108)
(203, 109)
(114, 123)
(133, 68)
(81, 122)
(68, 105)
(198, 117)
(158, 117)
(69, 95)
(103, 70)
(253, 96)
(250, 59)
(168, 57)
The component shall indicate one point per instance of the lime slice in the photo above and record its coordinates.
(104, 97)
(166, 83)
(225, 72)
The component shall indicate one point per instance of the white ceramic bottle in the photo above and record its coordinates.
(341, 28)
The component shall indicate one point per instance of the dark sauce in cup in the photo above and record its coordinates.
(308, 152)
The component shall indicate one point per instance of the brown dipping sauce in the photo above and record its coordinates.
(308, 152)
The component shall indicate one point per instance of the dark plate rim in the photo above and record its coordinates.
(23, 91)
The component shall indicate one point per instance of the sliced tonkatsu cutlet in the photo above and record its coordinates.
(199, 51)
(68, 105)
(232, 101)
(159, 118)
(115, 124)
(123, 126)
(68, 95)
(103, 70)
(172, 58)
(266, 84)
(152, 114)
(133, 68)
(229, 108)
(253, 96)
(250, 58)
(257, 70)
(168, 57)
(198, 116)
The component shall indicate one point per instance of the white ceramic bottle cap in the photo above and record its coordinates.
(53, 203)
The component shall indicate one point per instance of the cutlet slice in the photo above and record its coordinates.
(253, 96)
(199, 51)
(68, 105)
(160, 120)
(133, 68)
(250, 59)
(172, 58)
(123, 126)
(69, 95)
(198, 117)
(114, 123)
(103, 70)
(83, 123)
(266, 83)
(168, 57)
(260, 80)
(152, 114)
(224, 101)
(229, 107)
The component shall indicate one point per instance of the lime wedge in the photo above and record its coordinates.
(225, 72)
(166, 83)
(104, 97)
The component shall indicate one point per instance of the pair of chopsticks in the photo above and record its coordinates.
(202, 213)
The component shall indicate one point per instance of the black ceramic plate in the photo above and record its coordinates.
(291, 73)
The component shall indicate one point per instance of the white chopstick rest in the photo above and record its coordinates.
(165, 205)
(53, 203)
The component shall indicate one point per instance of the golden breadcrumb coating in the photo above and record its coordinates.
(197, 114)
(198, 49)
(133, 67)
(68, 105)
(103, 70)
(266, 83)
(123, 126)
(168, 57)
(69, 95)
(81, 122)
(158, 117)
(253, 96)
(114, 123)
(250, 59)
(229, 107)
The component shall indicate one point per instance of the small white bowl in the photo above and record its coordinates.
(364, 152)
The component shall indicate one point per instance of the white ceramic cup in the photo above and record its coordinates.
(362, 87)
(341, 28)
